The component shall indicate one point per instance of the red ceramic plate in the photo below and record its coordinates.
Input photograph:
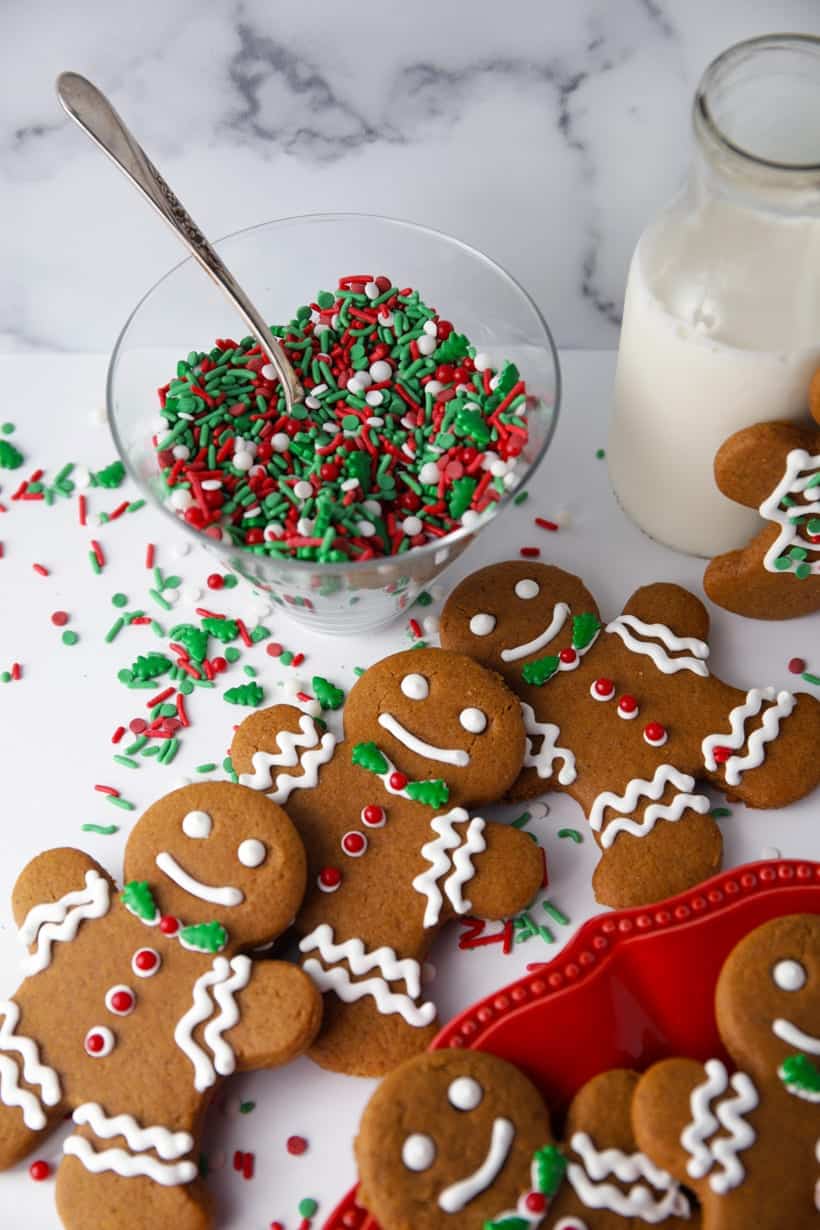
(630, 988)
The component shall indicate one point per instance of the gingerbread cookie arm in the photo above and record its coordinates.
(55, 894)
(279, 1012)
(281, 750)
(507, 874)
(672, 1123)
(672, 616)
(750, 464)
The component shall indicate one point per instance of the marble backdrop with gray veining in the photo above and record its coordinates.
(544, 131)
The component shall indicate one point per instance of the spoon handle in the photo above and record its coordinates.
(89, 108)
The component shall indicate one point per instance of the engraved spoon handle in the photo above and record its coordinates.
(89, 108)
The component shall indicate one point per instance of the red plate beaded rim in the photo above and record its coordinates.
(631, 987)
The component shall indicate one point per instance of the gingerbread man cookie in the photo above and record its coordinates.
(747, 1143)
(625, 717)
(136, 1004)
(393, 852)
(455, 1140)
(774, 467)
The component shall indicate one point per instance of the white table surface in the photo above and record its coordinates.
(56, 725)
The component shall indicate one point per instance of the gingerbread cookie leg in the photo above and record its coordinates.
(107, 1177)
(31, 1101)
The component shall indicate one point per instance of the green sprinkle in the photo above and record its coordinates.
(555, 914)
(424, 599)
(120, 600)
(600, 453)
(327, 694)
(7, 429)
(307, 1207)
(232, 654)
(118, 802)
(127, 761)
(250, 671)
(719, 813)
(358, 671)
(573, 834)
(158, 598)
(249, 694)
(522, 820)
(69, 637)
(205, 768)
(245, 1108)
(521, 498)
(136, 505)
(814, 680)
(5, 677)
(105, 830)
(286, 657)
(95, 563)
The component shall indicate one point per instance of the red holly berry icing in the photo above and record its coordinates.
(536, 1202)
(721, 754)
(567, 655)
(169, 925)
(398, 781)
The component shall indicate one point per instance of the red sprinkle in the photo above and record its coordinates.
(98, 552)
(59, 618)
(16, 671)
(544, 524)
(149, 555)
(118, 734)
(797, 665)
(82, 509)
(247, 1166)
(243, 632)
(39, 1171)
(215, 581)
(108, 790)
(721, 754)
(298, 659)
(159, 698)
(275, 649)
(297, 1145)
(415, 628)
(530, 552)
(41, 570)
(183, 716)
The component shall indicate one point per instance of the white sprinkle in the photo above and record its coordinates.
(190, 594)
(242, 461)
(256, 470)
(429, 473)
(374, 397)
(371, 289)
(318, 389)
(430, 327)
(211, 484)
(433, 387)
(312, 403)
(183, 547)
(354, 386)
(181, 452)
(481, 361)
(302, 489)
(280, 443)
(331, 428)
(183, 414)
(412, 526)
(268, 372)
(349, 484)
(181, 499)
(304, 526)
(497, 467)
(374, 421)
(430, 625)
(99, 417)
(380, 370)
(494, 383)
(81, 477)
(373, 507)
(256, 511)
(470, 519)
(385, 319)
(426, 344)
(365, 529)
(510, 481)
(273, 530)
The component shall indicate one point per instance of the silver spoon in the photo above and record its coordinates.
(89, 108)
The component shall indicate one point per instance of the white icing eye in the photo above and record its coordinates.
(197, 824)
(482, 624)
(527, 589)
(415, 687)
(418, 1152)
(789, 975)
(465, 1093)
(251, 853)
(474, 720)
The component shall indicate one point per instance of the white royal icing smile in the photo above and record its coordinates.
(226, 896)
(454, 1198)
(792, 1036)
(560, 614)
(453, 756)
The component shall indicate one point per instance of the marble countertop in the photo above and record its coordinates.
(545, 133)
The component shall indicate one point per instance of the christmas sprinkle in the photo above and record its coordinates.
(406, 433)
(105, 830)
(573, 834)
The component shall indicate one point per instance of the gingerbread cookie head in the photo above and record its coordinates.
(429, 711)
(456, 1139)
(218, 855)
(508, 614)
(768, 1004)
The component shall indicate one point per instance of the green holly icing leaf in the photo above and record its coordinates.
(800, 1074)
(223, 629)
(508, 1223)
(327, 694)
(585, 628)
(204, 937)
(368, 756)
(429, 794)
(550, 1168)
(249, 694)
(541, 670)
(110, 477)
(137, 897)
(10, 457)
(150, 666)
(194, 639)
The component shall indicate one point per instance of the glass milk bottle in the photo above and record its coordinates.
(721, 325)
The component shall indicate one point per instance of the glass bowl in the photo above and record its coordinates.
(283, 264)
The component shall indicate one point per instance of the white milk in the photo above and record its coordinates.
(721, 329)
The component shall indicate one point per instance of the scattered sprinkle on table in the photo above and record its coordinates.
(600, 453)
(69, 637)
(105, 830)
(573, 834)
(530, 552)
(39, 1171)
(296, 1145)
(59, 618)
(544, 524)
(719, 813)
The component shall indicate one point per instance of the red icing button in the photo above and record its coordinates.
(397, 781)
(603, 688)
(39, 1171)
(99, 1042)
(721, 754)
(567, 655)
(655, 734)
(329, 879)
(627, 706)
(169, 925)
(145, 962)
(354, 844)
(373, 816)
(120, 1000)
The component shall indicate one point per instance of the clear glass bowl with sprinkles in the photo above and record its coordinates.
(432, 391)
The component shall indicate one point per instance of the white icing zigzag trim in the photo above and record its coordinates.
(34, 1072)
(639, 1201)
(669, 666)
(728, 1115)
(129, 1165)
(169, 1145)
(796, 461)
(321, 752)
(441, 862)
(768, 730)
(224, 983)
(59, 921)
(361, 961)
(543, 761)
(639, 788)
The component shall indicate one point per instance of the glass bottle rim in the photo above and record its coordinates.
(703, 114)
